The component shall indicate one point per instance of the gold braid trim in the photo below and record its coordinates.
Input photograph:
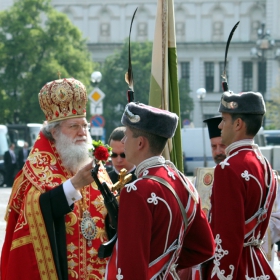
(15, 190)
(21, 242)
(39, 236)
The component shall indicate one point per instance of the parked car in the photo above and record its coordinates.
(272, 137)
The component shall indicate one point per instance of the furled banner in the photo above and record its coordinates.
(164, 90)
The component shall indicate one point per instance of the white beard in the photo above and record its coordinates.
(73, 156)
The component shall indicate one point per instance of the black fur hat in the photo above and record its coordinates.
(242, 103)
(153, 120)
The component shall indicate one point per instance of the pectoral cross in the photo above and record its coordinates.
(123, 179)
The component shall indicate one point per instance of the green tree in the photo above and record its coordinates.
(115, 88)
(113, 81)
(273, 109)
(36, 43)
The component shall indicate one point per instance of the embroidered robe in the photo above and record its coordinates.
(43, 236)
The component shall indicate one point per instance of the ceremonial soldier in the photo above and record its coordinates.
(160, 222)
(243, 193)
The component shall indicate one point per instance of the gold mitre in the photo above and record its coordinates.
(63, 99)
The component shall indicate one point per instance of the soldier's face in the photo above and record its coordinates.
(227, 129)
(130, 146)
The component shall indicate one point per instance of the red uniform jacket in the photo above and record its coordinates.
(241, 188)
(150, 221)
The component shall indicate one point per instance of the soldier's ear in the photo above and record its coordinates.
(142, 142)
(239, 124)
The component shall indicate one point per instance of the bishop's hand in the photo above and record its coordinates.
(83, 177)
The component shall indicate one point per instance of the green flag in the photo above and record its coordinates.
(164, 90)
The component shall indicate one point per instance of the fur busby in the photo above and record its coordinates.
(150, 119)
(242, 103)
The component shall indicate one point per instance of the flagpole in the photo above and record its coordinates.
(164, 90)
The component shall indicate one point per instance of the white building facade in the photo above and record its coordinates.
(202, 29)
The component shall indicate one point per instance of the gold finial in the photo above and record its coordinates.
(58, 73)
(123, 179)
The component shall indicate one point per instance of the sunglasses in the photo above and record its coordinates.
(114, 155)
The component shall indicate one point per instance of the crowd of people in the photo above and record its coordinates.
(57, 219)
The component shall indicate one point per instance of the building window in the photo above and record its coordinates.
(262, 77)
(180, 28)
(185, 71)
(221, 71)
(247, 84)
(217, 30)
(142, 29)
(209, 76)
(255, 25)
(105, 29)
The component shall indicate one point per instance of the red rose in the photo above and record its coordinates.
(101, 153)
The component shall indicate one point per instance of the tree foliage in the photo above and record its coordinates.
(113, 82)
(115, 88)
(36, 43)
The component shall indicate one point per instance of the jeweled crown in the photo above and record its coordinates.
(63, 99)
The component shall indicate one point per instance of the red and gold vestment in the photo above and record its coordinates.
(43, 236)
